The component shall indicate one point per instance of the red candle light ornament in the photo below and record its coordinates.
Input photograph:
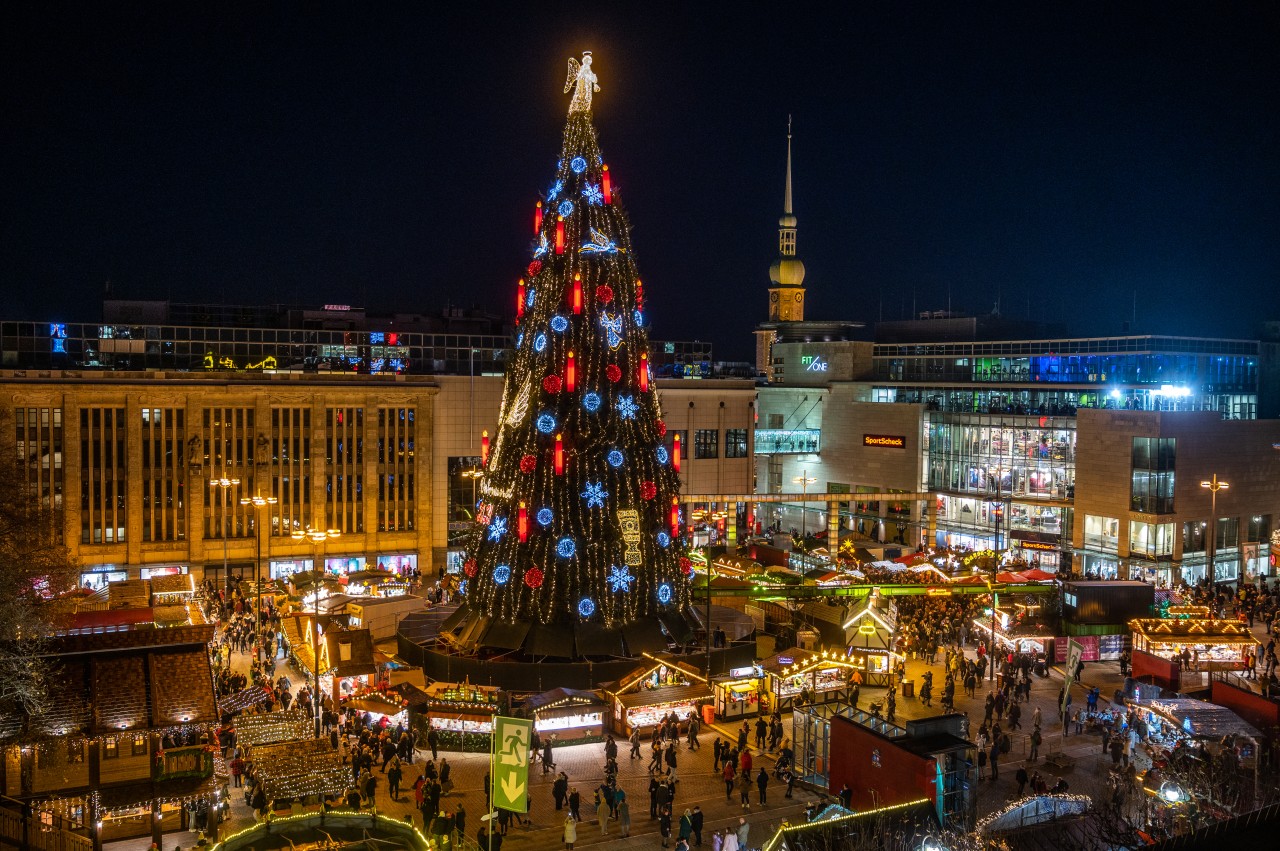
(484, 448)
(559, 456)
(606, 186)
(537, 219)
(577, 295)
(520, 295)
(559, 234)
(639, 294)
(522, 523)
(675, 452)
(675, 518)
(570, 374)
(643, 377)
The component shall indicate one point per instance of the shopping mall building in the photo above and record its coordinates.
(1085, 453)
(372, 426)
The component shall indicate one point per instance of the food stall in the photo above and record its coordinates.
(574, 716)
(738, 694)
(869, 632)
(375, 583)
(384, 710)
(462, 713)
(655, 690)
(821, 677)
(1210, 645)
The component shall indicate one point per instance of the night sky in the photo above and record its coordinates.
(1059, 158)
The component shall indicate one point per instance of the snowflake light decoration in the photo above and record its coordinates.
(555, 190)
(586, 607)
(565, 548)
(530, 297)
(497, 528)
(591, 402)
(662, 454)
(545, 516)
(595, 495)
(615, 458)
(546, 423)
(502, 574)
(664, 540)
(593, 195)
(627, 407)
(620, 579)
(566, 208)
(639, 317)
(578, 164)
(559, 324)
(664, 593)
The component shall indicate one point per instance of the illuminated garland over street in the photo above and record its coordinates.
(577, 519)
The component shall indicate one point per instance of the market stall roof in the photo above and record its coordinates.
(349, 652)
(671, 694)
(375, 703)
(411, 694)
(1035, 574)
(1010, 577)
(242, 700)
(177, 583)
(633, 679)
(271, 727)
(296, 769)
(1201, 719)
(563, 697)
(374, 576)
(1193, 629)
(836, 827)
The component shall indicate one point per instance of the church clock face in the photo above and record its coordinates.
(799, 297)
(773, 298)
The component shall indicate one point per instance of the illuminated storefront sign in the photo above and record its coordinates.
(814, 363)
(893, 441)
(1036, 545)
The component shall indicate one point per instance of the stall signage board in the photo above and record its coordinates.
(1075, 654)
(510, 775)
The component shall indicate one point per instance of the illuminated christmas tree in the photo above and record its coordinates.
(577, 520)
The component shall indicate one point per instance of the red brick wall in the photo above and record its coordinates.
(900, 777)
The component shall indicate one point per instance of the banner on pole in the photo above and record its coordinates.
(1075, 653)
(510, 775)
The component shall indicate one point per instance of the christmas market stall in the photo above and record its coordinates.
(653, 692)
(172, 589)
(462, 714)
(809, 678)
(347, 657)
(738, 694)
(1164, 648)
(869, 634)
(1180, 732)
(380, 710)
(375, 583)
(294, 771)
(574, 716)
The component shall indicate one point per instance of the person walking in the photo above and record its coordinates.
(1035, 745)
(433, 742)
(570, 832)
(560, 790)
(575, 801)
(624, 816)
(744, 789)
(393, 779)
(993, 760)
(1021, 777)
(664, 826)
(635, 744)
(762, 783)
(729, 778)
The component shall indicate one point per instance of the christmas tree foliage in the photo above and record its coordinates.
(578, 520)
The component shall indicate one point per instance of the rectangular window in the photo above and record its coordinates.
(735, 443)
(1102, 533)
(140, 745)
(706, 443)
(1193, 536)
(1259, 529)
(1153, 474)
(1150, 540)
(110, 749)
(775, 474)
(1228, 533)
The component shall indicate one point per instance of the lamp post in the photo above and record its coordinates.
(224, 484)
(804, 480)
(317, 537)
(258, 501)
(1213, 486)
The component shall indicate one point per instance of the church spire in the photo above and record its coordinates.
(786, 295)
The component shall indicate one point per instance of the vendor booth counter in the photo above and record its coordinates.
(1165, 650)
(572, 715)
(654, 691)
(739, 694)
(810, 678)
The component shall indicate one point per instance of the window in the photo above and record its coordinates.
(110, 749)
(1153, 462)
(1150, 540)
(735, 443)
(706, 443)
(1193, 536)
(775, 474)
(1259, 529)
(775, 420)
(1101, 533)
(1228, 536)
(140, 745)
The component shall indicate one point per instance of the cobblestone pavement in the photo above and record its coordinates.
(584, 765)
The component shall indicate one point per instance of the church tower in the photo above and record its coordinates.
(786, 295)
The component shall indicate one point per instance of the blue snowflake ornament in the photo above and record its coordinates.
(539, 342)
(615, 458)
(586, 607)
(545, 516)
(497, 528)
(593, 195)
(502, 574)
(578, 164)
(664, 540)
(663, 456)
(664, 593)
(619, 579)
(591, 402)
(595, 495)
(546, 423)
(565, 548)
(627, 407)
(559, 324)
(554, 191)
(566, 208)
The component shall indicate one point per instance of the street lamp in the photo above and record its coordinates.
(804, 480)
(224, 483)
(1213, 486)
(258, 501)
(317, 537)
